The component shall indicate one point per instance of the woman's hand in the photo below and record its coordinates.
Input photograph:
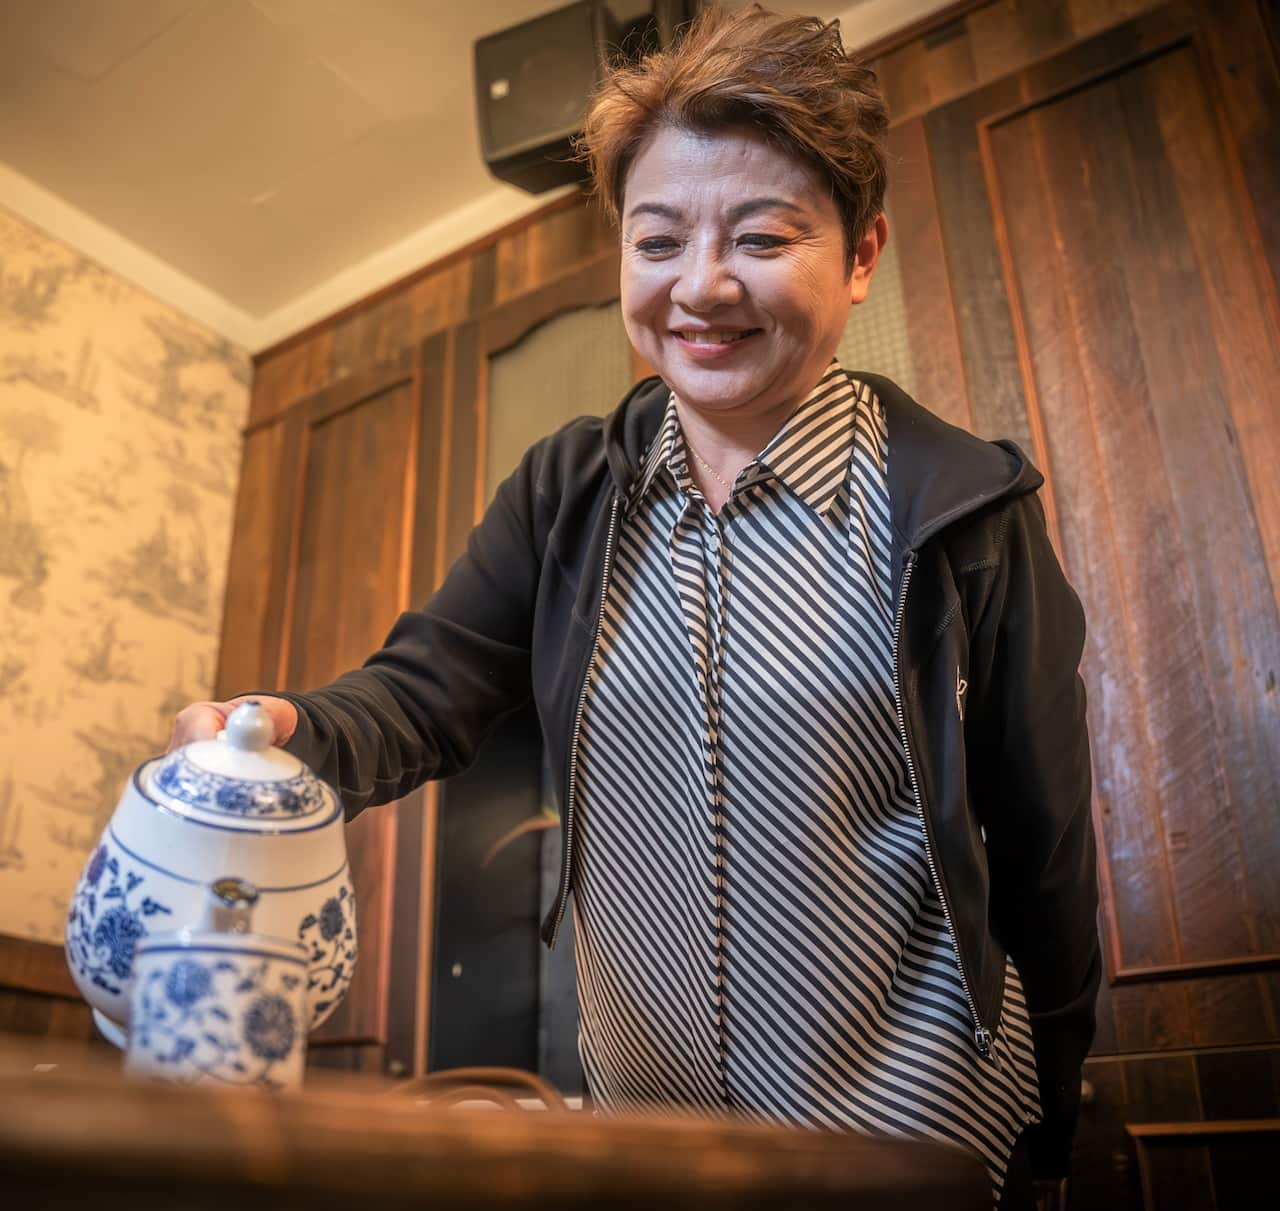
(204, 720)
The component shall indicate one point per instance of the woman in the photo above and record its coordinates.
(803, 652)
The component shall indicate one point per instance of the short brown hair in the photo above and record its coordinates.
(787, 76)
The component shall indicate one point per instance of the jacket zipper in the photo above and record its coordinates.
(566, 860)
(981, 1035)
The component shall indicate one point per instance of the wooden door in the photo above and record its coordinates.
(491, 981)
(329, 507)
(1103, 229)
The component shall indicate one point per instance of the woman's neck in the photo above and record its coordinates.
(720, 445)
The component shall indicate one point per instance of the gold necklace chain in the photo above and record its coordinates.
(694, 451)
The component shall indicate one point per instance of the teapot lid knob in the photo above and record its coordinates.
(249, 728)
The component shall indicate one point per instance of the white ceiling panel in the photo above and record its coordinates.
(88, 40)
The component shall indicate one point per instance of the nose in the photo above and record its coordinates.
(705, 281)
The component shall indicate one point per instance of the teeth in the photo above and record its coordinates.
(714, 338)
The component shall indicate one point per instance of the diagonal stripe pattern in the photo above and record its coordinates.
(757, 931)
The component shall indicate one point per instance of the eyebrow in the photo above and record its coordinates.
(740, 211)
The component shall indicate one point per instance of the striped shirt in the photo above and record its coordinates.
(757, 929)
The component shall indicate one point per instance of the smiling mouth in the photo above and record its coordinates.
(716, 338)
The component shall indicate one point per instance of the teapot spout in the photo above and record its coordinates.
(228, 908)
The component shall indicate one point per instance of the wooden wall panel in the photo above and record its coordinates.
(1185, 558)
(248, 657)
(983, 319)
(349, 579)
(377, 330)
(986, 42)
(930, 309)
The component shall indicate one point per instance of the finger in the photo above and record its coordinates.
(199, 721)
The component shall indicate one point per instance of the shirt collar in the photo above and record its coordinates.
(810, 454)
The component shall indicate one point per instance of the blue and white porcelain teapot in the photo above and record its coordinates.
(235, 804)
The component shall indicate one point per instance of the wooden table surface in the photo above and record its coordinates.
(74, 1132)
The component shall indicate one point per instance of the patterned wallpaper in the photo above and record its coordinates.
(119, 450)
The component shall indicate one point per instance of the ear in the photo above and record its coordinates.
(865, 258)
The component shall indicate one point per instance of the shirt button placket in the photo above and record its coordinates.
(716, 580)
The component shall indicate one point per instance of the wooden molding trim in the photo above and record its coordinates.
(1146, 1136)
(1154, 1133)
(345, 392)
(919, 28)
(592, 284)
(35, 967)
(580, 198)
(1203, 969)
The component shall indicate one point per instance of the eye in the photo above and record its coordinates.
(757, 241)
(657, 246)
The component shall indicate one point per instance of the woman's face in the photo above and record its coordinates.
(733, 270)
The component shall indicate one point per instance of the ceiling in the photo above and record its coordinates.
(261, 163)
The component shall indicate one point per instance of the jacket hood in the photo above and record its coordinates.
(938, 472)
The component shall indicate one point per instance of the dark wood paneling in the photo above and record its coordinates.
(1158, 527)
(38, 995)
(36, 967)
(1239, 1084)
(459, 481)
(350, 580)
(258, 568)
(926, 288)
(965, 47)
(973, 264)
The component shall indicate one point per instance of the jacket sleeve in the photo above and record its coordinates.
(1029, 761)
(420, 707)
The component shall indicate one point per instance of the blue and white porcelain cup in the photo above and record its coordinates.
(216, 1007)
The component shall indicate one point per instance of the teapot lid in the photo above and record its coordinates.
(240, 781)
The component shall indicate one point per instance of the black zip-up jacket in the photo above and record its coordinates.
(988, 641)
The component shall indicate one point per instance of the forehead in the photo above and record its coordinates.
(683, 168)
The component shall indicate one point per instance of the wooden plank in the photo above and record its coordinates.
(1181, 1131)
(904, 81)
(480, 291)
(458, 506)
(53, 1020)
(1102, 1158)
(930, 310)
(441, 299)
(991, 42)
(1194, 1013)
(1222, 837)
(445, 264)
(1126, 212)
(983, 320)
(1160, 1090)
(1241, 295)
(1238, 1084)
(1058, 323)
(1008, 35)
(1241, 41)
(295, 372)
(918, 30)
(349, 578)
(1176, 1178)
(35, 967)
(590, 285)
(255, 568)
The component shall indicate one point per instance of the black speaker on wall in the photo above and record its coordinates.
(533, 79)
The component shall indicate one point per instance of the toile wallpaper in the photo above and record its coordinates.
(119, 450)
